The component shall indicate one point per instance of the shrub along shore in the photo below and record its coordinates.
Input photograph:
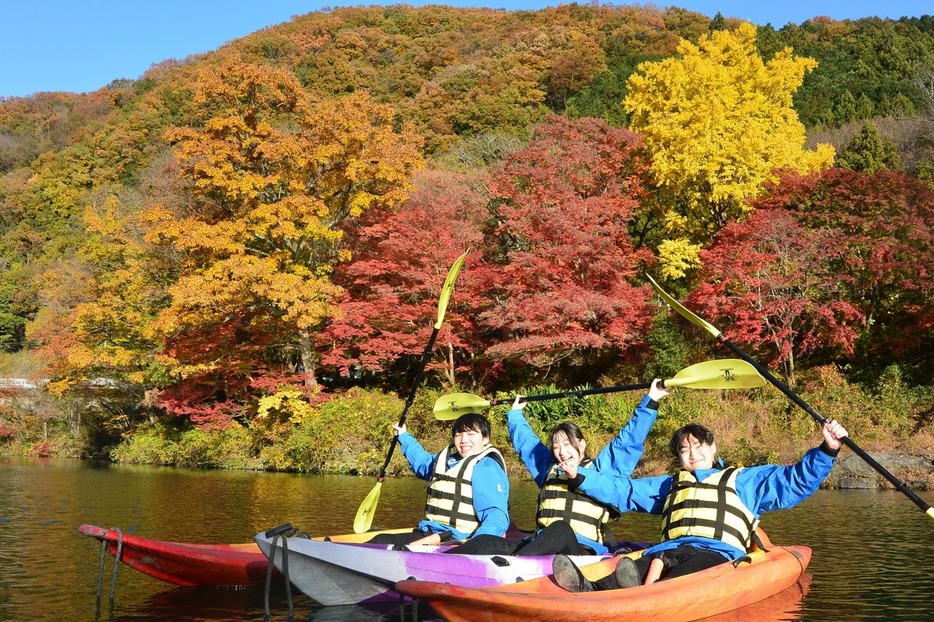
(350, 433)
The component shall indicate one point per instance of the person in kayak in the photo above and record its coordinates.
(569, 522)
(468, 490)
(709, 514)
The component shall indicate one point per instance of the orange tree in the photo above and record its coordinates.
(272, 176)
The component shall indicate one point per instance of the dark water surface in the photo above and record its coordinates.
(872, 550)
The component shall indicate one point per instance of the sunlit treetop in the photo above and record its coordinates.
(718, 123)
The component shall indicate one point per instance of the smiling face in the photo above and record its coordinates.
(469, 442)
(470, 434)
(694, 454)
(565, 450)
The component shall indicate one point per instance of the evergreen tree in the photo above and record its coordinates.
(869, 152)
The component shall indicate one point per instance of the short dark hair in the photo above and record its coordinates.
(696, 430)
(472, 421)
(572, 432)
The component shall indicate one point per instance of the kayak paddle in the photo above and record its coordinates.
(722, 374)
(794, 397)
(364, 518)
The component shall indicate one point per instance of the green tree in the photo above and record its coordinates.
(869, 152)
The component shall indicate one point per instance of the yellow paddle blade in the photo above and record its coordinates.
(719, 374)
(677, 306)
(447, 288)
(453, 405)
(364, 518)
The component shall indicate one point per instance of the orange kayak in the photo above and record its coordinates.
(717, 590)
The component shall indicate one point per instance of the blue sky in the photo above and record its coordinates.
(67, 45)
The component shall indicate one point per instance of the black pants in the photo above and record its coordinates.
(400, 538)
(680, 561)
(556, 539)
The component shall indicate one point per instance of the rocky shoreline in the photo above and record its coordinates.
(852, 472)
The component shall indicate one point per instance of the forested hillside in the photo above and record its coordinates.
(245, 239)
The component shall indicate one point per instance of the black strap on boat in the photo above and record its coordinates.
(402, 603)
(100, 573)
(745, 559)
(757, 541)
(277, 533)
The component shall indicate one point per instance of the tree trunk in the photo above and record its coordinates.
(449, 369)
(309, 358)
(790, 369)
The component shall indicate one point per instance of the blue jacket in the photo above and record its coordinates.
(490, 490)
(761, 489)
(619, 456)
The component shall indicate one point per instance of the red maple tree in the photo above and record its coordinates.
(560, 260)
(401, 259)
(771, 280)
(550, 278)
(882, 223)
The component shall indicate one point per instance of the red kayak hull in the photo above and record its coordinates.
(710, 592)
(191, 564)
(185, 563)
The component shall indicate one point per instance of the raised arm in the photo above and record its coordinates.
(623, 453)
(421, 461)
(770, 487)
(536, 457)
(645, 494)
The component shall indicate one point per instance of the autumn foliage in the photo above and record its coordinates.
(774, 281)
(551, 277)
(881, 227)
(272, 179)
(560, 270)
(718, 122)
(238, 238)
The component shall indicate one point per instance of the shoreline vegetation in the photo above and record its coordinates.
(349, 433)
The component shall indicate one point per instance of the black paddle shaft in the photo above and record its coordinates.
(419, 373)
(794, 397)
(577, 393)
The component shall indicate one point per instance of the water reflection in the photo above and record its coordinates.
(213, 604)
(197, 604)
(870, 562)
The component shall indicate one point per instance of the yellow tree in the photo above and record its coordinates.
(272, 176)
(718, 122)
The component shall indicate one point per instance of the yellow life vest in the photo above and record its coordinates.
(450, 491)
(556, 501)
(708, 509)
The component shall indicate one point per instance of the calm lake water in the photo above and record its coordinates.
(872, 550)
